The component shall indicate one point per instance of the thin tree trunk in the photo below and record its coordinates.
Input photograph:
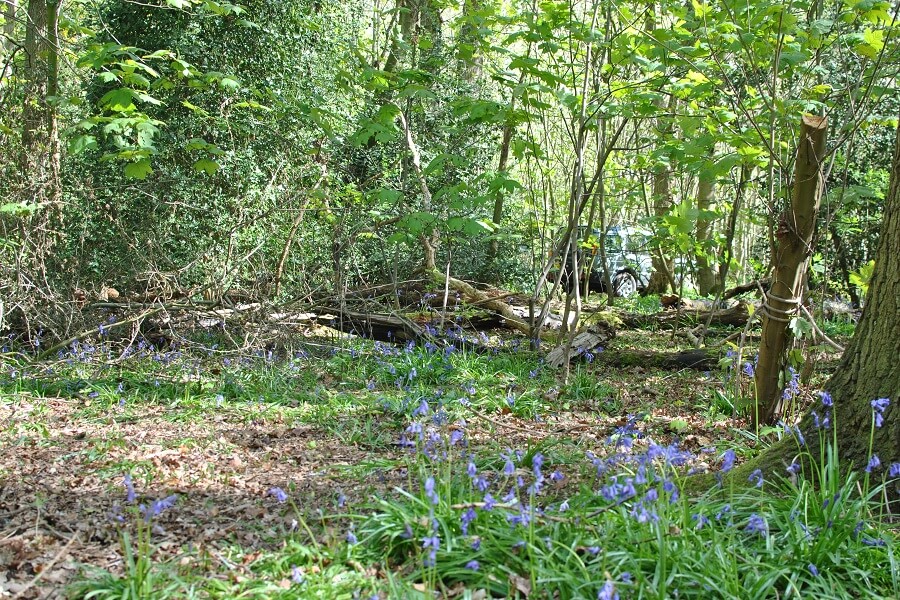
(795, 234)
(707, 281)
(728, 250)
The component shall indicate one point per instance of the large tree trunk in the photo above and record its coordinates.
(795, 236)
(869, 368)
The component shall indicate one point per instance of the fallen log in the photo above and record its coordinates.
(377, 326)
(702, 360)
(735, 316)
(472, 295)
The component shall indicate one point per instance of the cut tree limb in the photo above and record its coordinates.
(795, 236)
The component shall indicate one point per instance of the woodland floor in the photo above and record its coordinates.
(65, 450)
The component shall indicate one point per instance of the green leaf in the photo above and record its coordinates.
(80, 143)
(119, 100)
(206, 165)
(800, 327)
(18, 208)
(872, 43)
(229, 84)
(139, 169)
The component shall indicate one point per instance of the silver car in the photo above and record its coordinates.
(627, 258)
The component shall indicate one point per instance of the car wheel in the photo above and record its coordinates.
(625, 285)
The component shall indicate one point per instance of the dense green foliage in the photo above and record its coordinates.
(218, 145)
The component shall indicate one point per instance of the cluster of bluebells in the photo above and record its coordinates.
(148, 510)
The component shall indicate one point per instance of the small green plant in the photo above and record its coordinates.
(142, 578)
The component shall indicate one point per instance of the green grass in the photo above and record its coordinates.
(551, 517)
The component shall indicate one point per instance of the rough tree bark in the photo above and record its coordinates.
(795, 234)
(869, 368)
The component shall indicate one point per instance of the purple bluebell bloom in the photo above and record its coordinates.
(879, 406)
(756, 524)
(874, 463)
(279, 494)
(728, 460)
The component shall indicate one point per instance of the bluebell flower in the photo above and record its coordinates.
(537, 462)
(341, 500)
(894, 470)
(799, 435)
(879, 406)
(557, 476)
(748, 369)
(701, 520)
(756, 478)
(473, 565)
(728, 460)
(593, 550)
(489, 502)
(608, 592)
(157, 507)
(430, 492)
(476, 544)
(874, 463)
(670, 488)
(826, 399)
(756, 524)
(813, 570)
(432, 543)
(466, 519)
(279, 494)
(296, 575)
(351, 538)
(471, 469)
(564, 506)
(129, 489)
(508, 467)
(793, 468)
